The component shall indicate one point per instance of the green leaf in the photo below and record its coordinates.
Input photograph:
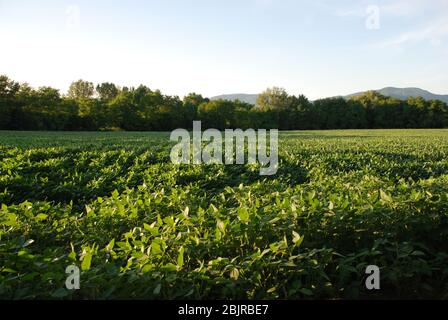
(86, 262)
(115, 194)
(72, 256)
(297, 239)
(218, 234)
(384, 196)
(272, 289)
(88, 210)
(234, 273)
(221, 226)
(169, 267)
(41, 216)
(243, 214)
(155, 248)
(180, 257)
(169, 221)
(10, 221)
(186, 212)
(151, 228)
(110, 245)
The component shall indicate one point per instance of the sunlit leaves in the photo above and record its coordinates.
(139, 227)
(384, 196)
(297, 239)
(86, 261)
(180, 257)
(243, 214)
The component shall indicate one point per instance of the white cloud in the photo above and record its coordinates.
(434, 33)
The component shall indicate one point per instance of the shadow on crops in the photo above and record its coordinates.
(218, 177)
(394, 166)
(70, 176)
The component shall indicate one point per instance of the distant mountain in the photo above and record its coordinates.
(399, 93)
(404, 93)
(243, 97)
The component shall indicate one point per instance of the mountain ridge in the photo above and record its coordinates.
(395, 92)
(243, 97)
(405, 93)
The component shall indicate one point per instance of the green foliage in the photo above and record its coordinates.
(107, 91)
(81, 90)
(273, 99)
(141, 227)
(110, 108)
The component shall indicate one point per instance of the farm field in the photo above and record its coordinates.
(140, 227)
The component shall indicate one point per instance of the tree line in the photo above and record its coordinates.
(107, 107)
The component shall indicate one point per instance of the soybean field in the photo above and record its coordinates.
(140, 227)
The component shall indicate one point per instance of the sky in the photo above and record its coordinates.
(319, 48)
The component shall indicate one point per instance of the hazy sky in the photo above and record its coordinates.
(316, 47)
